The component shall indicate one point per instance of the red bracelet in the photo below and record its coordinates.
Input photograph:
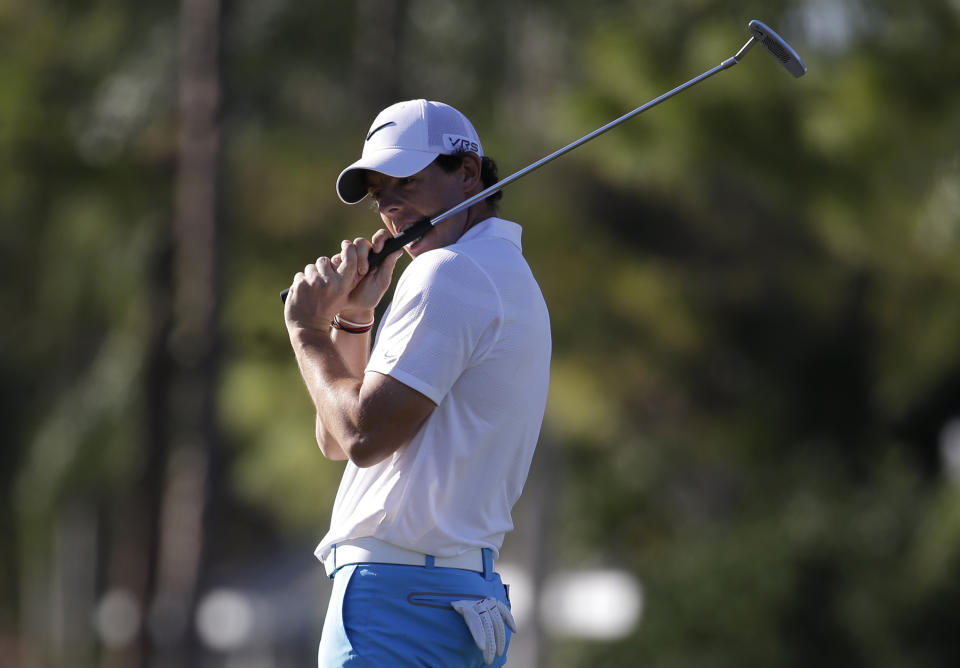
(351, 327)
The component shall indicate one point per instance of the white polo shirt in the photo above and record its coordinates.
(468, 328)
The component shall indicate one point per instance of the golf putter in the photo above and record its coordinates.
(759, 31)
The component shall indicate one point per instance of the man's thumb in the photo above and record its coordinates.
(390, 262)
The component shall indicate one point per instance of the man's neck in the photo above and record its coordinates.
(478, 213)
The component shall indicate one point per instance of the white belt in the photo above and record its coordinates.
(374, 551)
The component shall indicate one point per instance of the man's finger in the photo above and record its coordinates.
(349, 264)
(337, 260)
(390, 262)
(379, 238)
(298, 278)
(323, 267)
(363, 247)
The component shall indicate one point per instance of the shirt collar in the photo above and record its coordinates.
(494, 228)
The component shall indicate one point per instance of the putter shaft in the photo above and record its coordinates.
(423, 226)
(759, 31)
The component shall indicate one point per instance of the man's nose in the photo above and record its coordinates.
(388, 199)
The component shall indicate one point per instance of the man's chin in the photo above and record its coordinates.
(421, 245)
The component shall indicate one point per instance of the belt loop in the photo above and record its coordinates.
(429, 561)
(334, 548)
(487, 563)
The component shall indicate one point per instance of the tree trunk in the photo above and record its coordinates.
(195, 339)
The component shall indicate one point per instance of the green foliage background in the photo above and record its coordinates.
(755, 291)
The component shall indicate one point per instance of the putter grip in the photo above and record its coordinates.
(412, 233)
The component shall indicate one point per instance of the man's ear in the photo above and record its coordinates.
(470, 169)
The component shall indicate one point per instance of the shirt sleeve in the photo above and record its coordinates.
(444, 316)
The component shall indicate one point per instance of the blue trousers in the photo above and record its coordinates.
(389, 616)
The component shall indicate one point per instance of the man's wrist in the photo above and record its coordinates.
(351, 327)
(357, 315)
(307, 335)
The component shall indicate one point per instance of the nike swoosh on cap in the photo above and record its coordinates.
(376, 130)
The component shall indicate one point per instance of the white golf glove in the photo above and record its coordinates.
(485, 619)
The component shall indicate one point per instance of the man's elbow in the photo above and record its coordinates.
(361, 449)
(332, 451)
(328, 446)
(365, 452)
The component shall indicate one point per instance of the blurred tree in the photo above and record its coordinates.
(195, 342)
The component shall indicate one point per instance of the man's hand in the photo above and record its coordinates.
(485, 619)
(343, 284)
(317, 294)
(371, 284)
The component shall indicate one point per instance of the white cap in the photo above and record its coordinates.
(403, 139)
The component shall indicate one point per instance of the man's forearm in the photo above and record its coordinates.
(333, 373)
(354, 348)
(365, 418)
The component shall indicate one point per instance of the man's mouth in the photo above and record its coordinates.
(401, 227)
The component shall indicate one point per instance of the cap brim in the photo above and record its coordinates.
(396, 162)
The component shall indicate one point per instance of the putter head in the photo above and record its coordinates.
(778, 47)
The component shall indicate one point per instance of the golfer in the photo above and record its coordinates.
(438, 419)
